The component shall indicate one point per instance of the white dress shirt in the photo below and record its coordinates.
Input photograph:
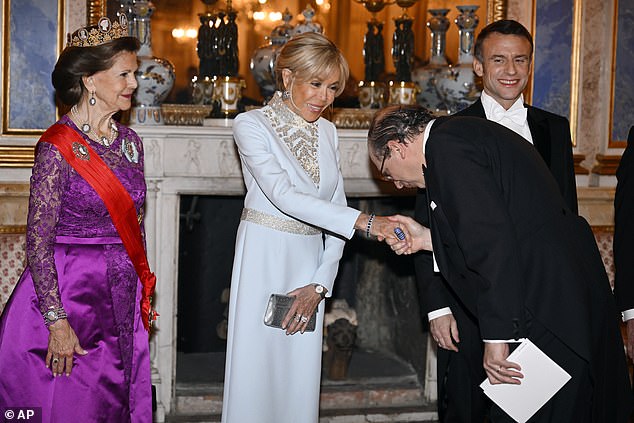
(514, 118)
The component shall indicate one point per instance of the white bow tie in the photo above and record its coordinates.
(517, 116)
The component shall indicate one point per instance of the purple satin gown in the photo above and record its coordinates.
(76, 260)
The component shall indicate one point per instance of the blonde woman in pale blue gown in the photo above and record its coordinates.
(294, 226)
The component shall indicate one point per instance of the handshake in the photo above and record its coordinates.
(403, 234)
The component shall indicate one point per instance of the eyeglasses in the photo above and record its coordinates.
(386, 152)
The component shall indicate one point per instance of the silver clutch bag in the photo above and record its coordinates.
(277, 308)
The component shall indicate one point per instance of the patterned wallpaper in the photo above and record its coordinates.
(12, 262)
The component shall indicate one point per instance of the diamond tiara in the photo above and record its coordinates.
(96, 35)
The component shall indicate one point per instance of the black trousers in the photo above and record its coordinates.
(460, 399)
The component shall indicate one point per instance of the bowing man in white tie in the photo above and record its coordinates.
(503, 59)
(513, 254)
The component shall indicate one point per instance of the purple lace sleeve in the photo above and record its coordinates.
(142, 209)
(140, 147)
(47, 182)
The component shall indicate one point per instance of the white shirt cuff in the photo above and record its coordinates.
(628, 314)
(503, 341)
(438, 313)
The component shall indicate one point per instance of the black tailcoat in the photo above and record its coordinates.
(460, 398)
(510, 249)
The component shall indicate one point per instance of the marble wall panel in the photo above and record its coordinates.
(75, 15)
(594, 90)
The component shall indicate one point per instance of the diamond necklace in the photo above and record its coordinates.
(87, 129)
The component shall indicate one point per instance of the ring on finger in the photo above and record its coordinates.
(55, 360)
(298, 317)
(499, 369)
(304, 319)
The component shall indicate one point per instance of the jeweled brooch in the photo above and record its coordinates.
(81, 151)
(129, 150)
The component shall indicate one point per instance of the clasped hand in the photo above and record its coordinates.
(418, 236)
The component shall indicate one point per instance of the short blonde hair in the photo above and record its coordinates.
(311, 55)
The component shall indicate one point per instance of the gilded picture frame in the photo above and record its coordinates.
(621, 106)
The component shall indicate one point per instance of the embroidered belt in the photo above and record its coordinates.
(278, 223)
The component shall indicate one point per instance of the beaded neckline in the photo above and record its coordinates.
(301, 137)
(289, 116)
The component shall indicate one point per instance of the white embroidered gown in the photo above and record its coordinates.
(294, 191)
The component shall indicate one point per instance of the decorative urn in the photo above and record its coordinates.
(263, 59)
(155, 76)
(426, 75)
(457, 85)
(308, 25)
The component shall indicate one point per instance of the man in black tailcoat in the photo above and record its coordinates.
(503, 59)
(512, 253)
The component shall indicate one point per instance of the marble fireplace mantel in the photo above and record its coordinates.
(190, 158)
(203, 160)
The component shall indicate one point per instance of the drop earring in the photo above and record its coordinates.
(92, 100)
(286, 94)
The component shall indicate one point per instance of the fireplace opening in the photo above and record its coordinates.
(378, 285)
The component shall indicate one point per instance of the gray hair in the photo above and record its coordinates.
(396, 123)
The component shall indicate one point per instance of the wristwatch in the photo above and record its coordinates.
(320, 290)
(53, 315)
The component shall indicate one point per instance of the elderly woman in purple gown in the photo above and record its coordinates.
(74, 334)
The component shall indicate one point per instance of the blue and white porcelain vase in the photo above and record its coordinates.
(426, 76)
(263, 59)
(155, 76)
(308, 25)
(458, 85)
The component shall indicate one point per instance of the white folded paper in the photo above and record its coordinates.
(542, 379)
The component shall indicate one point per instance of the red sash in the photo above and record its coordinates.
(89, 165)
